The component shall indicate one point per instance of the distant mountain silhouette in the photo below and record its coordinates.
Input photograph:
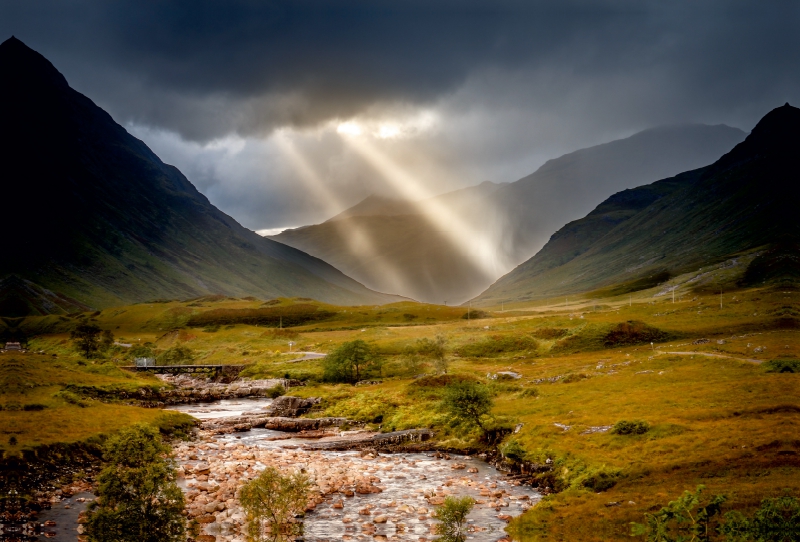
(394, 245)
(747, 202)
(91, 214)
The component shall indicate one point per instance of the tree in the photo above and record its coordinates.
(453, 516)
(350, 362)
(137, 497)
(435, 349)
(468, 402)
(86, 338)
(271, 501)
(106, 339)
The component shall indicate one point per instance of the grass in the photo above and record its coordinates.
(39, 408)
(718, 419)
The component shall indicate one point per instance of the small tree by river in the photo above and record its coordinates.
(137, 497)
(272, 501)
(350, 362)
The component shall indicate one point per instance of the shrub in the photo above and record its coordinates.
(498, 344)
(475, 314)
(34, 407)
(435, 349)
(625, 427)
(276, 391)
(468, 402)
(634, 332)
(72, 398)
(271, 502)
(574, 377)
(601, 479)
(514, 451)
(453, 517)
(137, 497)
(782, 366)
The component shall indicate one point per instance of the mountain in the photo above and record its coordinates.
(570, 186)
(399, 246)
(95, 218)
(403, 247)
(748, 200)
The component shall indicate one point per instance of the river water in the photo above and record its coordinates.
(407, 479)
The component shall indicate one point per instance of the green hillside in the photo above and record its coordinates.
(741, 210)
(94, 217)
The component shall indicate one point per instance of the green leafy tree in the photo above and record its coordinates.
(272, 501)
(86, 338)
(453, 517)
(137, 497)
(468, 402)
(350, 362)
(141, 351)
(435, 349)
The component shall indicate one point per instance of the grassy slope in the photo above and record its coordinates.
(720, 421)
(31, 379)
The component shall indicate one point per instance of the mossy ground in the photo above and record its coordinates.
(719, 420)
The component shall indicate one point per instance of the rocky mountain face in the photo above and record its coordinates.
(95, 218)
(747, 202)
(403, 246)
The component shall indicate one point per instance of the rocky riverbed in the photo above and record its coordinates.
(357, 494)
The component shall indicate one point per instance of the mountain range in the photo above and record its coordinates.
(93, 218)
(743, 209)
(403, 246)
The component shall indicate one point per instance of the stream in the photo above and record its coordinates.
(407, 486)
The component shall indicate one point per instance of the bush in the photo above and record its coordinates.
(271, 502)
(276, 391)
(601, 479)
(468, 402)
(782, 366)
(634, 332)
(514, 451)
(72, 398)
(31, 407)
(624, 427)
(475, 314)
(435, 349)
(137, 497)
(498, 344)
(453, 517)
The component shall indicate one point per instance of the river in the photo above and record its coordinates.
(410, 484)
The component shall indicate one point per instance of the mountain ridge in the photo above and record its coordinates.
(744, 201)
(102, 220)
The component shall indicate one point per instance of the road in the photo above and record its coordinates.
(307, 356)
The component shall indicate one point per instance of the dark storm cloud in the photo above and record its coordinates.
(204, 69)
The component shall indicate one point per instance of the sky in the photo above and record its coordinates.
(285, 112)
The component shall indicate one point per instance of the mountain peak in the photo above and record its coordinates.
(24, 67)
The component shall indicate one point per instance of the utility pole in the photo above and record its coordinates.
(720, 300)
(630, 300)
(673, 296)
